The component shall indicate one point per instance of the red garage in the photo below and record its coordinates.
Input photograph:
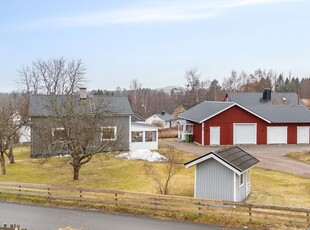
(227, 123)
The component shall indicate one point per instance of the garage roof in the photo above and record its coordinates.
(234, 158)
(268, 113)
(283, 113)
(209, 109)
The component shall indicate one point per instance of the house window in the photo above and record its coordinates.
(59, 134)
(150, 136)
(241, 180)
(108, 133)
(136, 136)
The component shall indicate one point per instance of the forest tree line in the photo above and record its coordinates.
(146, 102)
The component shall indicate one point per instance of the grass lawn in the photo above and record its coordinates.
(300, 156)
(268, 187)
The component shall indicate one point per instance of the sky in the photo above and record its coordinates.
(155, 41)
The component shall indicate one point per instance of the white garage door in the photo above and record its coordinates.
(277, 135)
(244, 133)
(303, 135)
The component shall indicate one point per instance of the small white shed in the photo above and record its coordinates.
(143, 136)
(223, 174)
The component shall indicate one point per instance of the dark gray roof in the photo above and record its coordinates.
(135, 117)
(234, 156)
(283, 113)
(41, 105)
(256, 98)
(166, 116)
(205, 110)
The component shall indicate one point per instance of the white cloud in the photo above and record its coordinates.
(167, 11)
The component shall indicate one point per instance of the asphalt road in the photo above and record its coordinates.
(45, 218)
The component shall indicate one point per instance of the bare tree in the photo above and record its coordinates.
(54, 76)
(194, 86)
(162, 176)
(13, 115)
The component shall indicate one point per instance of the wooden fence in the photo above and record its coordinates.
(227, 212)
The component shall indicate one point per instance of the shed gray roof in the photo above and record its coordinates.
(256, 98)
(205, 110)
(41, 105)
(234, 156)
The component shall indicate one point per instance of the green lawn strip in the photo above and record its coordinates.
(303, 156)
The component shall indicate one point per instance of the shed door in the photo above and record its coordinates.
(244, 133)
(215, 135)
(277, 135)
(303, 135)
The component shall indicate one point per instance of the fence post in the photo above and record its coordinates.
(81, 194)
(250, 213)
(20, 190)
(155, 203)
(115, 199)
(48, 192)
(308, 219)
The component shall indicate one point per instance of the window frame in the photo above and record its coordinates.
(153, 132)
(241, 180)
(143, 138)
(109, 127)
(53, 134)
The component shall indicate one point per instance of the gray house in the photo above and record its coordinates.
(223, 174)
(49, 126)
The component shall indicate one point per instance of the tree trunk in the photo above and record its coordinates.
(11, 156)
(76, 172)
(3, 164)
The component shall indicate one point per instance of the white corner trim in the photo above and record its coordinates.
(235, 188)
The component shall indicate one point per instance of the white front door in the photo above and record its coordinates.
(245, 133)
(303, 135)
(215, 134)
(277, 135)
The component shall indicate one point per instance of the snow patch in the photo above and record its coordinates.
(143, 154)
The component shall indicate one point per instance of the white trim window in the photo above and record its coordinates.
(108, 133)
(137, 136)
(241, 180)
(58, 134)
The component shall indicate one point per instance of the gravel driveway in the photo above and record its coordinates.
(270, 156)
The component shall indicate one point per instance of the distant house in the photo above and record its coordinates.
(143, 136)
(263, 98)
(223, 174)
(163, 119)
(228, 123)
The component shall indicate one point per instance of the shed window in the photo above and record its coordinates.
(150, 136)
(58, 134)
(136, 136)
(108, 133)
(241, 180)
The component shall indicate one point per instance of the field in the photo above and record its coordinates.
(105, 171)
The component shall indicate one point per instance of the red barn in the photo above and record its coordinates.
(228, 123)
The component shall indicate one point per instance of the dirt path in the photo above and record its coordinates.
(270, 156)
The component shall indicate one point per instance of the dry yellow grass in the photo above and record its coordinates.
(300, 156)
(268, 187)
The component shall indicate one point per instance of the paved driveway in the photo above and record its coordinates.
(270, 156)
